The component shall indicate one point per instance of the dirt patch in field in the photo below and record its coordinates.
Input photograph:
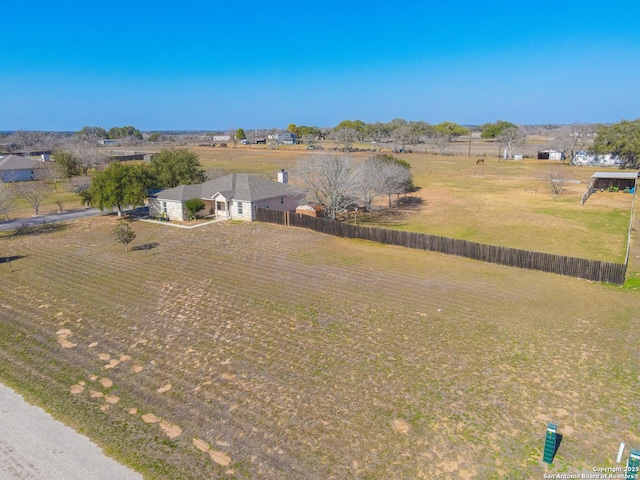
(171, 430)
(165, 388)
(201, 445)
(62, 335)
(106, 382)
(400, 426)
(150, 418)
(76, 389)
(220, 458)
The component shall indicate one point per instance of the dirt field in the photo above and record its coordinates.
(256, 351)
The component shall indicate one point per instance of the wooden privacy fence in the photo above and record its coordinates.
(571, 266)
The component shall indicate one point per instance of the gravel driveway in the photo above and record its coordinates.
(34, 446)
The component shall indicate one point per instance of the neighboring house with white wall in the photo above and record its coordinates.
(232, 197)
(14, 168)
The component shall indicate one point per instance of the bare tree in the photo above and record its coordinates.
(557, 178)
(511, 137)
(33, 192)
(79, 184)
(395, 179)
(573, 138)
(88, 155)
(380, 175)
(50, 171)
(346, 136)
(6, 201)
(329, 180)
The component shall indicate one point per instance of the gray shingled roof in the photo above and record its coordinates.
(15, 162)
(235, 186)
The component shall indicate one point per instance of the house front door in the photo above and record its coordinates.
(221, 209)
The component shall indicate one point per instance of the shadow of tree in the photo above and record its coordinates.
(26, 229)
(12, 258)
(145, 246)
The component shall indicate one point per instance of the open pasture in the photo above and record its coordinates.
(506, 203)
(258, 351)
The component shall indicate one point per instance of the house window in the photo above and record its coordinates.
(281, 199)
(164, 207)
(239, 208)
(220, 206)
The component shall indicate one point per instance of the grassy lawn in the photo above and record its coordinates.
(492, 203)
(290, 354)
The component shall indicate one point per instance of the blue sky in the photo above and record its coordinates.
(216, 65)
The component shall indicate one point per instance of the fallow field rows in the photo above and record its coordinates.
(258, 351)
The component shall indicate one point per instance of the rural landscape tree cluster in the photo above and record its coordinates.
(340, 183)
(85, 165)
(79, 150)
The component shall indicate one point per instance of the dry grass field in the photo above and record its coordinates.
(492, 203)
(257, 351)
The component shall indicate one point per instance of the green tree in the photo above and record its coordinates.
(621, 139)
(240, 134)
(446, 132)
(306, 130)
(92, 133)
(67, 162)
(124, 132)
(493, 130)
(123, 234)
(293, 128)
(357, 125)
(173, 167)
(376, 131)
(154, 137)
(194, 205)
(118, 185)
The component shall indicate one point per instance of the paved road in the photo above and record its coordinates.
(54, 217)
(63, 217)
(34, 446)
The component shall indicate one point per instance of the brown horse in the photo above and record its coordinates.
(480, 161)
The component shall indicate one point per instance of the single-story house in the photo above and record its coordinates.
(14, 168)
(618, 180)
(550, 154)
(233, 197)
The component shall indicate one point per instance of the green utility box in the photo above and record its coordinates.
(633, 464)
(550, 443)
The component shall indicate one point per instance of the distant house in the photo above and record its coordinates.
(550, 154)
(108, 141)
(14, 168)
(284, 137)
(232, 197)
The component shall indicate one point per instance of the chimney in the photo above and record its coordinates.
(283, 177)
